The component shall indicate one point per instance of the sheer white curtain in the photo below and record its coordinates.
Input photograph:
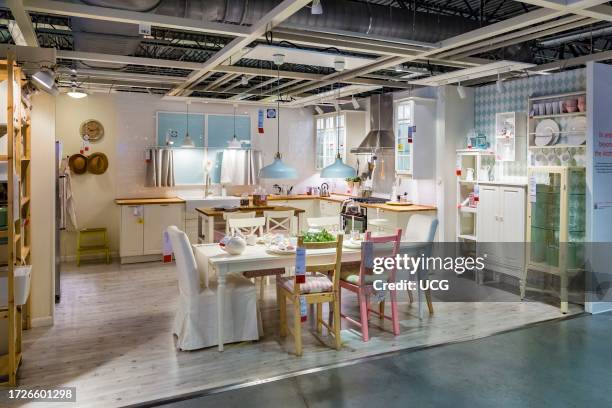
(159, 171)
(240, 167)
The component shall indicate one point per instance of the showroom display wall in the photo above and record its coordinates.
(488, 101)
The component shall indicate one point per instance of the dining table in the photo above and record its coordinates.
(213, 260)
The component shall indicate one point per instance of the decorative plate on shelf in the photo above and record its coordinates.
(91, 130)
(546, 132)
(577, 130)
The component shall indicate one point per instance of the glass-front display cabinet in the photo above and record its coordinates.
(414, 127)
(404, 133)
(556, 224)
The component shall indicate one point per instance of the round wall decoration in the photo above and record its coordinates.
(91, 130)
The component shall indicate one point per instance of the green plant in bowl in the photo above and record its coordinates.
(319, 236)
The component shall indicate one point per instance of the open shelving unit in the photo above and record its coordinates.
(563, 118)
(17, 234)
(467, 214)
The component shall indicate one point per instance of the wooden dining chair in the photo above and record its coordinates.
(249, 226)
(279, 221)
(246, 226)
(237, 214)
(328, 223)
(362, 284)
(321, 286)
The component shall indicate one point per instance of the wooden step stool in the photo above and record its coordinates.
(96, 242)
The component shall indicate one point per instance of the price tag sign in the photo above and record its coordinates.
(300, 265)
(532, 189)
(303, 309)
(458, 166)
(167, 249)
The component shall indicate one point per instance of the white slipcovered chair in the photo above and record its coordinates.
(195, 323)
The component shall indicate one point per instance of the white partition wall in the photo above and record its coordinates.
(599, 172)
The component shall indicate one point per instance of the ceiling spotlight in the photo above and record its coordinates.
(339, 64)
(399, 68)
(76, 93)
(44, 79)
(278, 59)
(355, 103)
(244, 80)
(316, 7)
(318, 109)
(461, 91)
(499, 84)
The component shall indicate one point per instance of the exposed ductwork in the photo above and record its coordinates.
(380, 136)
(343, 15)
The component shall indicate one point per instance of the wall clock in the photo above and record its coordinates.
(91, 130)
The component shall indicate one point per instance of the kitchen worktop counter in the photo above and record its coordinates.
(141, 201)
(212, 212)
(338, 198)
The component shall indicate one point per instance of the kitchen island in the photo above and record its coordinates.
(210, 220)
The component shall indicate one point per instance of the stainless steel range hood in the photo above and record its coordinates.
(381, 136)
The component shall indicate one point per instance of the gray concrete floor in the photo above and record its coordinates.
(557, 364)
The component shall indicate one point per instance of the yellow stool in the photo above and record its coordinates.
(96, 243)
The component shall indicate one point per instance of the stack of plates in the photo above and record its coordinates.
(546, 133)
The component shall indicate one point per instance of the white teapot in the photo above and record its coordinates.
(234, 245)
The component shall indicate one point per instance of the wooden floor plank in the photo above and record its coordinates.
(112, 337)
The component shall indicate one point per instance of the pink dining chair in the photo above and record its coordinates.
(362, 284)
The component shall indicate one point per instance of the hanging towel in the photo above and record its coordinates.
(68, 219)
(240, 167)
(159, 168)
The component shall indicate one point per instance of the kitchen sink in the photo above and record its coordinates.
(195, 200)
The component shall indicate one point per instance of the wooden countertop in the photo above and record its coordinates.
(211, 212)
(141, 201)
(338, 198)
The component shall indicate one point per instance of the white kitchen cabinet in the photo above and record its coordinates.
(142, 227)
(158, 217)
(329, 208)
(415, 134)
(132, 230)
(501, 220)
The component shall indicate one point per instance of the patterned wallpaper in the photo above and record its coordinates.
(514, 98)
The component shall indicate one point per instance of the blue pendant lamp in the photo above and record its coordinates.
(278, 169)
(338, 169)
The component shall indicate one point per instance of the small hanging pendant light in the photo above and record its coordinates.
(188, 141)
(234, 143)
(338, 169)
(278, 169)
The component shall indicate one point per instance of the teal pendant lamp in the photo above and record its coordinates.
(278, 169)
(338, 169)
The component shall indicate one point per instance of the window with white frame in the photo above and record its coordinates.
(403, 126)
(328, 129)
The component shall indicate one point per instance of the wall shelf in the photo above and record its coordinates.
(17, 232)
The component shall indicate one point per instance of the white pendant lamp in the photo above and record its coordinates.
(338, 169)
(278, 169)
(188, 141)
(234, 143)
